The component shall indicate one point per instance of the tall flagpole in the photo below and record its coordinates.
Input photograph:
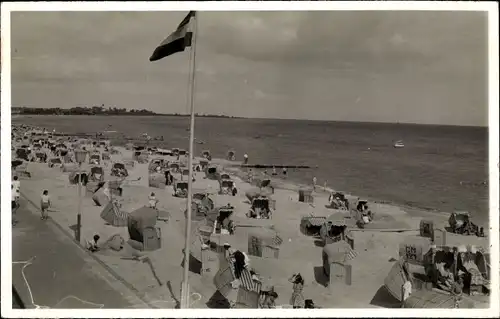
(185, 283)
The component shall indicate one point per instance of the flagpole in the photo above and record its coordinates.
(185, 283)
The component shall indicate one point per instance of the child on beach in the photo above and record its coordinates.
(153, 201)
(45, 204)
(315, 180)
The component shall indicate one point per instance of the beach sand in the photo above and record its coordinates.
(375, 250)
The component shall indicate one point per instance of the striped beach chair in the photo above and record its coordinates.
(246, 295)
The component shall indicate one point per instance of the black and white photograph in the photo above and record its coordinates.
(279, 160)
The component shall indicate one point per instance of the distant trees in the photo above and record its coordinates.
(99, 110)
(79, 110)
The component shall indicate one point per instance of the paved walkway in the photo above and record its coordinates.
(60, 273)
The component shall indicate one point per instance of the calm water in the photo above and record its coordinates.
(441, 167)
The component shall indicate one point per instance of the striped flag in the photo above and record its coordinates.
(177, 41)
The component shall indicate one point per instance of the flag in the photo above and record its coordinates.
(177, 41)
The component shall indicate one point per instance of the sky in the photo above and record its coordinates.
(369, 66)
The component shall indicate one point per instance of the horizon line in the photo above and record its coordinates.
(263, 118)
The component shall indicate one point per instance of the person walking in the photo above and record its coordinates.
(315, 180)
(45, 203)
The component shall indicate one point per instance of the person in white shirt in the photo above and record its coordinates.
(152, 200)
(45, 204)
(245, 159)
(16, 187)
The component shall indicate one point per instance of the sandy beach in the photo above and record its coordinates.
(159, 279)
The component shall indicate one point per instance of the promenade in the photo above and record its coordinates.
(47, 260)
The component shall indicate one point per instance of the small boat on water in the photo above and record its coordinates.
(399, 144)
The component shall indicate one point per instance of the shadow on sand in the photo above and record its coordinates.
(218, 301)
(384, 299)
(318, 242)
(320, 276)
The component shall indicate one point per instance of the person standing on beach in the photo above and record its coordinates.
(15, 205)
(45, 203)
(297, 300)
(153, 201)
(315, 180)
(250, 176)
(245, 158)
(16, 186)
(167, 177)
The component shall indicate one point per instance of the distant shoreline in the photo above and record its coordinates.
(153, 114)
(263, 119)
(100, 111)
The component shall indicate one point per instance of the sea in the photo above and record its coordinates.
(441, 168)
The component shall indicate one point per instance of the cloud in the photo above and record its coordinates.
(365, 65)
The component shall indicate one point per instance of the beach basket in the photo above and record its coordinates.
(100, 198)
(311, 225)
(247, 294)
(199, 256)
(336, 263)
(413, 249)
(115, 188)
(22, 170)
(129, 164)
(151, 238)
(157, 181)
(91, 187)
(305, 196)
(205, 232)
(113, 216)
(142, 159)
(142, 228)
(427, 228)
(264, 242)
(439, 238)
